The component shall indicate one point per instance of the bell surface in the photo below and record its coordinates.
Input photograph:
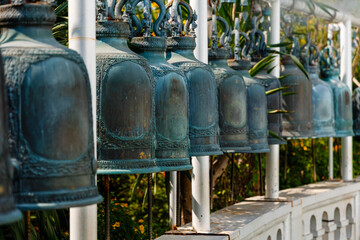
(50, 113)
(356, 111)
(126, 107)
(298, 123)
(323, 106)
(341, 94)
(171, 105)
(203, 104)
(274, 102)
(256, 108)
(8, 212)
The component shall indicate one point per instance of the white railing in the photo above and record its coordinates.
(325, 210)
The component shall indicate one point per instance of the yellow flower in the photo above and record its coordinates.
(124, 204)
(117, 224)
(141, 221)
(305, 148)
(141, 228)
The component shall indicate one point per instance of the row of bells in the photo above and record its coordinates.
(152, 112)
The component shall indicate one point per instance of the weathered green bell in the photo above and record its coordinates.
(8, 212)
(50, 113)
(125, 98)
(329, 72)
(171, 94)
(201, 85)
(322, 97)
(256, 98)
(298, 122)
(270, 82)
(233, 114)
(356, 111)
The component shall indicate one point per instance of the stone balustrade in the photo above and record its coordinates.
(326, 210)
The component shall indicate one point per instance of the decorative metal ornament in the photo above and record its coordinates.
(233, 115)
(329, 72)
(49, 112)
(8, 212)
(201, 84)
(171, 94)
(256, 98)
(126, 107)
(356, 111)
(322, 97)
(298, 122)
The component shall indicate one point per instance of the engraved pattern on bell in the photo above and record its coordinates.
(49, 114)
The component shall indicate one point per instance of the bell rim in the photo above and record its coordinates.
(121, 171)
(10, 217)
(206, 153)
(97, 198)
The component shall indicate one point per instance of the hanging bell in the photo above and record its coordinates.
(322, 98)
(356, 111)
(329, 72)
(270, 82)
(201, 85)
(231, 92)
(50, 112)
(171, 95)
(8, 212)
(298, 122)
(126, 109)
(256, 98)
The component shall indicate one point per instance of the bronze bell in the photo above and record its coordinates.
(171, 94)
(329, 72)
(233, 114)
(8, 212)
(125, 97)
(356, 111)
(201, 85)
(298, 123)
(255, 92)
(49, 112)
(322, 97)
(269, 81)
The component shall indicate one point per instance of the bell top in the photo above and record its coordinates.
(20, 13)
(329, 60)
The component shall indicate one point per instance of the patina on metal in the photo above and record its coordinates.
(298, 122)
(125, 97)
(171, 94)
(258, 51)
(8, 212)
(201, 85)
(356, 111)
(322, 97)
(255, 92)
(329, 61)
(50, 116)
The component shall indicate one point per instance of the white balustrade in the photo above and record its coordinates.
(320, 211)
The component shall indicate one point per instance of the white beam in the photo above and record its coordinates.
(331, 159)
(272, 157)
(172, 199)
(346, 77)
(338, 16)
(82, 35)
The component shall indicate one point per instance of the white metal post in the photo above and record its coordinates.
(172, 199)
(272, 158)
(200, 174)
(82, 35)
(331, 159)
(346, 77)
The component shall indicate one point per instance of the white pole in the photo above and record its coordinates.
(82, 35)
(200, 174)
(172, 199)
(346, 76)
(201, 194)
(272, 157)
(331, 159)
